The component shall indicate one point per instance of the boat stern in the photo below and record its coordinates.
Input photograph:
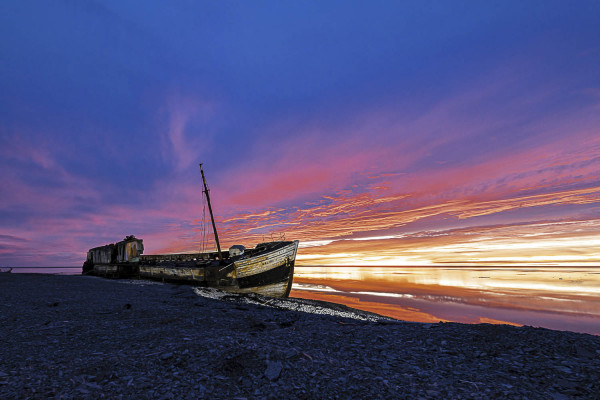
(269, 273)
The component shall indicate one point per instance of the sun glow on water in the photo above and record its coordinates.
(554, 297)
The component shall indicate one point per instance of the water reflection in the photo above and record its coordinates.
(553, 297)
(47, 270)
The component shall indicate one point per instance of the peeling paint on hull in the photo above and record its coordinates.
(267, 270)
(192, 274)
(279, 289)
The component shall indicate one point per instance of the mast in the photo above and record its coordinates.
(211, 214)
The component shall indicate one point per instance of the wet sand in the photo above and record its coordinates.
(87, 337)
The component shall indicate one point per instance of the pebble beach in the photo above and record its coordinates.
(73, 337)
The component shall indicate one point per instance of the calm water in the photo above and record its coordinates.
(45, 270)
(551, 297)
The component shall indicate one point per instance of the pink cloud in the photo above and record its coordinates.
(362, 185)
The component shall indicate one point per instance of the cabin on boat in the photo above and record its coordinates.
(127, 250)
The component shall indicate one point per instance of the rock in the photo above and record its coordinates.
(291, 353)
(564, 383)
(273, 370)
(565, 370)
(92, 385)
(83, 390)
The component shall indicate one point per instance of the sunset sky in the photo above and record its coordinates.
(376, 133)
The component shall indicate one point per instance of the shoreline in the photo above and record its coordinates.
(528, 297)
(73, 336)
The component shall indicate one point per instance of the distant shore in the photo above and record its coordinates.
(85, 337)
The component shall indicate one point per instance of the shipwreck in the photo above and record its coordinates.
(266, 269)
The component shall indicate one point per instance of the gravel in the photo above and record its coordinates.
(85, 337)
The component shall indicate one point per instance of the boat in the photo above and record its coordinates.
(267, 269)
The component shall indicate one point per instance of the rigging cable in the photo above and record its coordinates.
(203, 233)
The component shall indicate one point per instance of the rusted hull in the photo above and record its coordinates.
(269, 273)
(187, 274)
(277, 289)
(116, 270)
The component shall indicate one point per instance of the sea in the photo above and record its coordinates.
(561, 298)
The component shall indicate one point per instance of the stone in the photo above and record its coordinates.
(273, 370)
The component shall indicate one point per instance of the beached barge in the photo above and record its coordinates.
(267, 269)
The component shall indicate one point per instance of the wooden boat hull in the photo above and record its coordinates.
(173, 273)
(268, 272)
